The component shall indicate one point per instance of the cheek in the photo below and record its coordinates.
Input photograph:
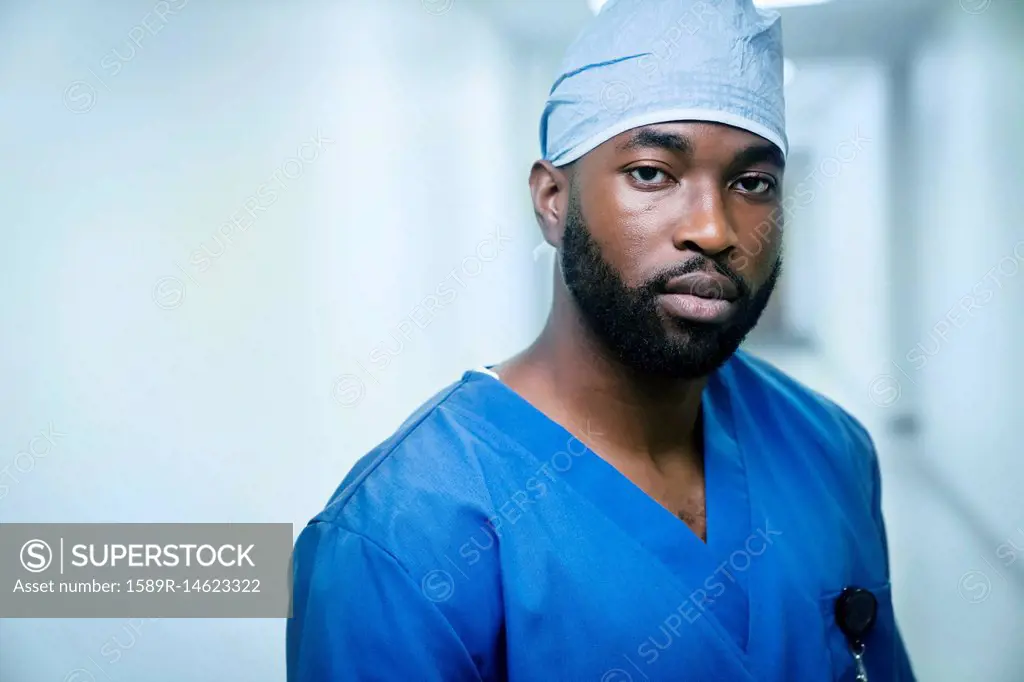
(759, 239)
(626, 240)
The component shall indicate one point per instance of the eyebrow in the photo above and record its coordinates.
(645, 138)
(758, 153)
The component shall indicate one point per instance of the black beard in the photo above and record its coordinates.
(627, 320)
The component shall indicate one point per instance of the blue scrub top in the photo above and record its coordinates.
(483, 541)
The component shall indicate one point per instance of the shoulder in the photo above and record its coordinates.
(775, 400)
(395, 526)
(420, 489)
(821, 454)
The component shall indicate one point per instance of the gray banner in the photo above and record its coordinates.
(145, 570)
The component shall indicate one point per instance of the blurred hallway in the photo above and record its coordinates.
(204, 361)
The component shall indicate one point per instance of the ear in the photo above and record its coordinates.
(549, 188)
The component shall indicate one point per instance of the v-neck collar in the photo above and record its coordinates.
(698, 564)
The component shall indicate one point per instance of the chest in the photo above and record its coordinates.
(653, 609)
(688, 504)
(679, 489)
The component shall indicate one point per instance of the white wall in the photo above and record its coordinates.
(211, 396)
(961, 360)
(926, 215)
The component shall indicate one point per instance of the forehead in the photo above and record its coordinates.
(699, 143)
(693, 138)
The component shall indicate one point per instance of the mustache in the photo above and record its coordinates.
(659, 282)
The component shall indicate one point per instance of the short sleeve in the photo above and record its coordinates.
(357, 615)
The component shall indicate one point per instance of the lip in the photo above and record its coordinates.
(710, 286)
(697, 308)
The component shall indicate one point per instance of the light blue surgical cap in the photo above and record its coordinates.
(641, 62)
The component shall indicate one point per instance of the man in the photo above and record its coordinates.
(631, 497)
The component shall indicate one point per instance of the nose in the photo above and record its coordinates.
(705, 225)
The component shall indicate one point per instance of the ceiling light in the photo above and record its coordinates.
(788, 71)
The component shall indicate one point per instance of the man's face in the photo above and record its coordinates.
(672, 243)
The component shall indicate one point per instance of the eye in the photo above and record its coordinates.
(648, 175)
(759, 185)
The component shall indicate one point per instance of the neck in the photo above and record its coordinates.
(569, 375)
